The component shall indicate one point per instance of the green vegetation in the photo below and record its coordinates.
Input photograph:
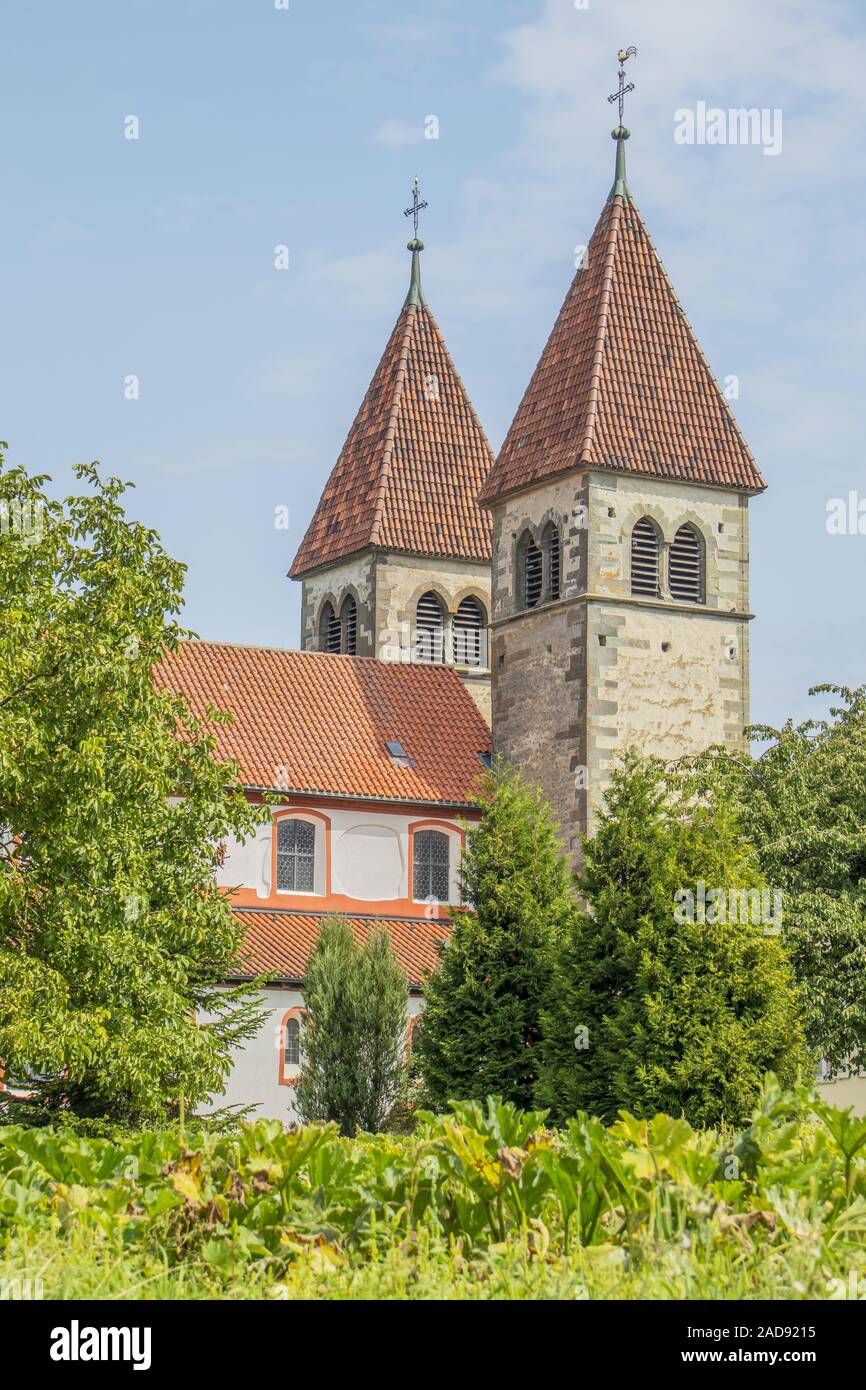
(484, 1202)
(355, 1030)
(660, 1002)
(481, 1026)
(113, 933)
(802, 804)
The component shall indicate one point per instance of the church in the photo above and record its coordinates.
(585, 591)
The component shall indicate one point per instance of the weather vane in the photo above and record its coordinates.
(417, 204)
(624, 87)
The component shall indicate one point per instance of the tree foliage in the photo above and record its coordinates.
(481, 1026)
(803, 805)
(662, 1002)
(354, 1041)
(113, 935)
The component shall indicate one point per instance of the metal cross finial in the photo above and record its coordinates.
(417, 204)
(624, 87)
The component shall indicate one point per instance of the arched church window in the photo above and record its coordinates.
(292, 1050)
(431, 866)
(430, 628)
(296, 856)
(645, 559)
(329, 630)
(470, 633)
(349, 625)
(530, 570)
(686, 566)
(553, 551)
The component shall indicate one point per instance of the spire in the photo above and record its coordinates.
(415, 295)
(620, 182)
(416, 246)
(622, 383)
(619, 133)
(408, 476)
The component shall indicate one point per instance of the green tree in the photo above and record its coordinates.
(803, 805)
(481, 1027)
(354, 1041)
(674, 992)
(114, 939)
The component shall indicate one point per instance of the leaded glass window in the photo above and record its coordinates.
(296, 846)
(431, 866)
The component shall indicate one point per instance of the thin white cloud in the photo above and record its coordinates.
(396, 134)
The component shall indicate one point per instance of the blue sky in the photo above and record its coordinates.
(262, 126)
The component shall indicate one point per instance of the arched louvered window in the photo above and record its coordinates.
(553, 551)
(296, 856)
(329, 630)
(430, 629)
(470, 633)
(430, 866)
(686, 566)
(530, 571)
(349, 625)
(292, 1049)
(645, 559)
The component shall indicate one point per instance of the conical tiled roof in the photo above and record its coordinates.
(410, 471)
(622, 382)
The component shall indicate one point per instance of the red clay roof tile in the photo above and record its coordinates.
(409, 473)
(622, 382)
(310, 722)
(281, 942)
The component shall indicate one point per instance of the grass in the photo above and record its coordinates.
(482, 1204)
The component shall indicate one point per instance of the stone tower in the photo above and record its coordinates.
(395, 563)
(620, 535)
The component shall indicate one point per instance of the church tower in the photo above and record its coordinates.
(621, 545)
(395, 563)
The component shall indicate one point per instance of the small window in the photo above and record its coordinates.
(645, 559)
(349, 626)
(292, 1043)
(534, 575)
(296, 854)
(430, 629)
(470, 634)
(553, 551)
(329, 630)
(431, 866)
(530, 571)
(686, 566)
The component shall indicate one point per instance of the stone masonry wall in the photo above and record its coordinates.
(578, 680)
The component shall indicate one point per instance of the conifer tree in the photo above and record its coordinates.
(669, 996)
(481, 1026)
(354, 1039)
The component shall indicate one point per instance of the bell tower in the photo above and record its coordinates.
(395, 563)
(620, 533)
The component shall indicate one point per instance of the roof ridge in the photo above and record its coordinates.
(689, 327)
(411, 311)
(313, 655)
(601, 331)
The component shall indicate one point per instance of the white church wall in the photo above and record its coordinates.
(257, 1077)
(369, 852)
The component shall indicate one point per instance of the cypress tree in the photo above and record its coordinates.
(354, 1045)
(686, 999)
(481, 1027)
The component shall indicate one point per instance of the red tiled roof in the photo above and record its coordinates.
(309, 722)
(622, 382)
(409, 473)
(281, 942)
